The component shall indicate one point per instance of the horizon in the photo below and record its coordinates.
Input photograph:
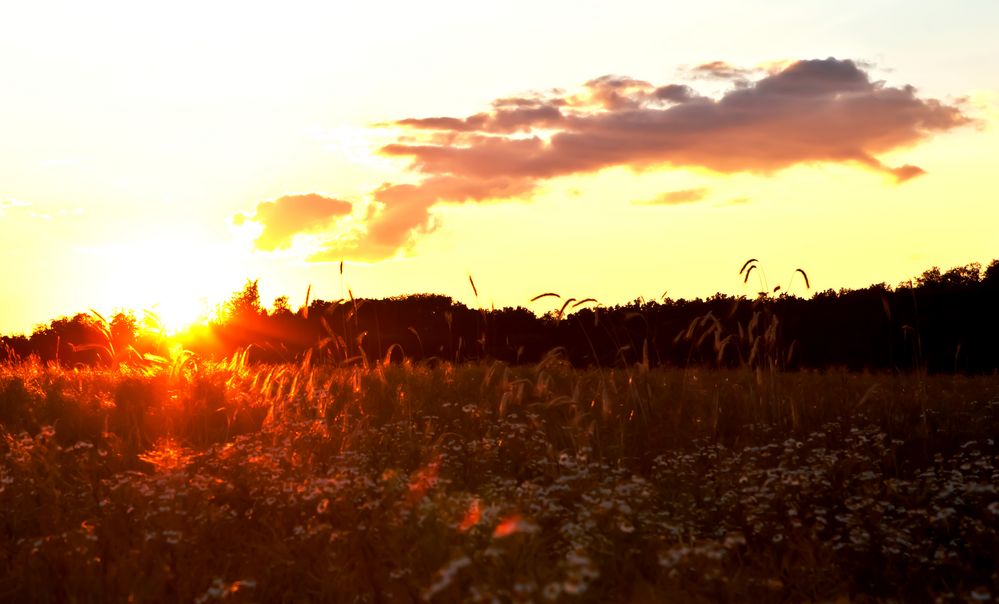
(214, 313)
(160, 161)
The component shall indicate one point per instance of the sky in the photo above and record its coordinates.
(158, 157)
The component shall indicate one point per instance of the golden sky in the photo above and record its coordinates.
(158, 157)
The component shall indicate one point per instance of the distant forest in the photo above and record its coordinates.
(940, 322)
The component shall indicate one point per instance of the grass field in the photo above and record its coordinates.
(400, 483)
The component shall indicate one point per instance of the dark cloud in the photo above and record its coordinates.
(676, 197)
(807, 112)
(674, 93)
(446, 123)
(617, 92)
(292, 214)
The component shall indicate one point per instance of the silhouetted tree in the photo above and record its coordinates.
(941, 321)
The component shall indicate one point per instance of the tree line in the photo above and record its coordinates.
(940, 322)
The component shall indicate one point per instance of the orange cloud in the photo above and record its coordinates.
(720, 70)
(676, 197)
(805, 112)
(404, 210)
(292, 214)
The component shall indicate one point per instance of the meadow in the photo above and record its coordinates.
(486, 482)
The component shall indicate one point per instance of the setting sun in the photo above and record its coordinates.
(180, 281)
(179, 314)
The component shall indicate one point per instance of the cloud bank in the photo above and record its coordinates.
(805, 112)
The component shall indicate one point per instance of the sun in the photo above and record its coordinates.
(178, 313)
(177, 284)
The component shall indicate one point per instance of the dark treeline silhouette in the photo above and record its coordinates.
(940, 322)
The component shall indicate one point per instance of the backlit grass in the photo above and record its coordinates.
(401, 482)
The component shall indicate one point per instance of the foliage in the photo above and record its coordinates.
(941, 322)
(407, 481)
(567, 463)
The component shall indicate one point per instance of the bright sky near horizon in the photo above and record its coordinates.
(157, 157)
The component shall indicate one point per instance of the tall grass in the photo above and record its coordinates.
(394, 481)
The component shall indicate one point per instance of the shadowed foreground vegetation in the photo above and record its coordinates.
(940, 322)
(401, 482)
(343, 453)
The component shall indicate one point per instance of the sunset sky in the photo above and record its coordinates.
(158, 157)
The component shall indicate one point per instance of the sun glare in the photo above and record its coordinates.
(177, 314)
(179, 285)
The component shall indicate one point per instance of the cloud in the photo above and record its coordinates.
(354, 246)
(720, 70)
(676, 197)
(503, 120)
(809, 112)
(793, 113)
(674, 93)
(292, 214)
(406, 206)
(403, 210)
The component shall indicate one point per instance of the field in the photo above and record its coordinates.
(485, 482)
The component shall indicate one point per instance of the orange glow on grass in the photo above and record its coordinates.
(167, 455)
(514, 524)
(423, 480)
(472, 516)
